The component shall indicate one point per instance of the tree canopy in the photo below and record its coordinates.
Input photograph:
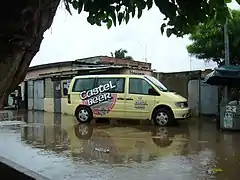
(180, 15)
(208, 40)
(121, 54)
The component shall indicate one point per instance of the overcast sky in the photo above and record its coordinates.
(72, 37)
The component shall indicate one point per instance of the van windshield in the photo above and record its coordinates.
(157, 83)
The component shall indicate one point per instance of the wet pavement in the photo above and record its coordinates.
(57, 147)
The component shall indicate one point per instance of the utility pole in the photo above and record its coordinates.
(227, 60)
(226, 42)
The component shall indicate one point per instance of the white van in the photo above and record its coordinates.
(124, 96)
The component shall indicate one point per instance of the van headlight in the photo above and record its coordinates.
(180, 104)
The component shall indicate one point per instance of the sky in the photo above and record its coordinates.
(72, 37)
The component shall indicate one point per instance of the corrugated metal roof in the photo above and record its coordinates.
(97, 67)
(74, 71)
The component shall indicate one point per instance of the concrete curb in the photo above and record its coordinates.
(18, 169)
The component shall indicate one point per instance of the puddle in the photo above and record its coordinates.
(59, 148)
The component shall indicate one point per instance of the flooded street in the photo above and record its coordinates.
(57, 147)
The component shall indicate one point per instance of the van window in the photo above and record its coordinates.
(118, 84)
(139, 86)
(83, 84)
(157, 83)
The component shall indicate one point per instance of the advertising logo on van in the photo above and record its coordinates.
(140, 104)
(99, 99)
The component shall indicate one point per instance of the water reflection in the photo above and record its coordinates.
(221, 150)
(103, 143)
(7, 115)
(128, 144)
(186, 152)
(44, 131)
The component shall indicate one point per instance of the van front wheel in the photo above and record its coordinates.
(84, 114)
(163, 117)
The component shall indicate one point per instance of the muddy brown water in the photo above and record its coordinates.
(57, 147)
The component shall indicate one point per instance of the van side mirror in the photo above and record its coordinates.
(153, 92)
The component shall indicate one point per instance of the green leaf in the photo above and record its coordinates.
(207, 39)
(80, 6)
(162, 5)
(171, 10)
(127, 17)
(227, 1)
(221, 14)
(75, 4)
(120, 17)
(67, 7)
(90, 19)
(238, 1)
(113, 16)
(162, 27)
(133, 12)
(109, 23)
(102, 15)
(99, 23)
(139, 12)
(191, 12)
(149, 4)
(118, 8)
(169, 32)
(215, 170)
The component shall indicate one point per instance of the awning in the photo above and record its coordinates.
(226, 75)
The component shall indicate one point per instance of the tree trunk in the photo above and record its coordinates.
(23, 24)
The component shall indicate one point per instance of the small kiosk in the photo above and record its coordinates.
(229, 106)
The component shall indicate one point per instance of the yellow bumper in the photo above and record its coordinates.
(182, 113)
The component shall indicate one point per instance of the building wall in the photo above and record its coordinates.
(178, 81)
(175, 81)
(49, 102)
(136, 71)
(194, 96)
(33, 74)
(38, 94)
(202, 98)
(30, 94)
(64, 105)
(48, 99)
(208, 99)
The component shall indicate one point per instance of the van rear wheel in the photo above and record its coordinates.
(83, 131)
(84, 114)
(163, 117)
